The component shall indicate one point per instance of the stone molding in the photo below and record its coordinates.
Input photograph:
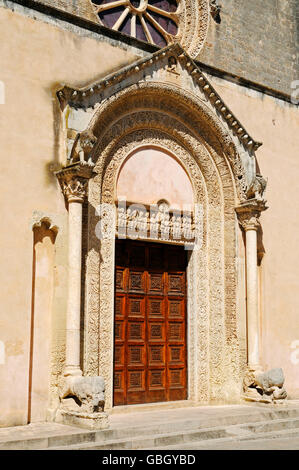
(249, 214)
(73, 181)
(89, 96)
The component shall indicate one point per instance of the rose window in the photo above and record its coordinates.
(154, 21)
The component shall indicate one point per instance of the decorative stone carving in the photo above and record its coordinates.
(257, 188)
(88, 393)
(157, 222)
(73, 181)
(160, 114)
(249, 213)
(264, 387)
(89, 96)
(205, 297)
(83, 145)
(82, 401)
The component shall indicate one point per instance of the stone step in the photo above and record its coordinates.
(272, 426)
(230, 442)
(182, 436)
(150, 441)
(144, 426)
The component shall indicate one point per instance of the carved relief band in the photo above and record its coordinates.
(157, 222)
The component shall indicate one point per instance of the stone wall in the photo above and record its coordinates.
(36, 59)
(256, 40)
(81, 8)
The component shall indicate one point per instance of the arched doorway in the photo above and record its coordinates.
(151, 117)
(150, 303)
(192, 125)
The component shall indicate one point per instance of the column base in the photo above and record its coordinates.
(82, 420)
(71, 371)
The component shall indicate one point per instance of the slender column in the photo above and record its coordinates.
(74, 182)
(252, 297)
(249, 214)
(72, 366)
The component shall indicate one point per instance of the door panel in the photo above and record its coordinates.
(150, 323)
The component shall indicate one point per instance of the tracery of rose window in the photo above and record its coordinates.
(153, 21)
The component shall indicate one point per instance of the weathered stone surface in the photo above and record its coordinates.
(273, 377)
(89, 391)
(249, 43)
(266, 387)
(81, 8)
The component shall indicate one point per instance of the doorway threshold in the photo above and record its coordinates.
(165, 405)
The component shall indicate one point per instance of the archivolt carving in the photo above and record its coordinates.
(171, 101)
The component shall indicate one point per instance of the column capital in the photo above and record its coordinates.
(73, 180)
(249, 213)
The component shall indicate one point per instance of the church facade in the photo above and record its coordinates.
(150, 174)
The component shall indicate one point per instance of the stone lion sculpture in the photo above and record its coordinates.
(265, 387)
(87, 393)
(257, 188)
(83, 145)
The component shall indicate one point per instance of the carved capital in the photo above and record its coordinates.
(73, 181)
(249, 213)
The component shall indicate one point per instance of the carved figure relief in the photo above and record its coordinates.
(156, 222)
(257, 188)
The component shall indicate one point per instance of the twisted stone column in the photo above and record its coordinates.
(74, 183)
(248, 214)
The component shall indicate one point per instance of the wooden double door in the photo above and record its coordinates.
(150, 353)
